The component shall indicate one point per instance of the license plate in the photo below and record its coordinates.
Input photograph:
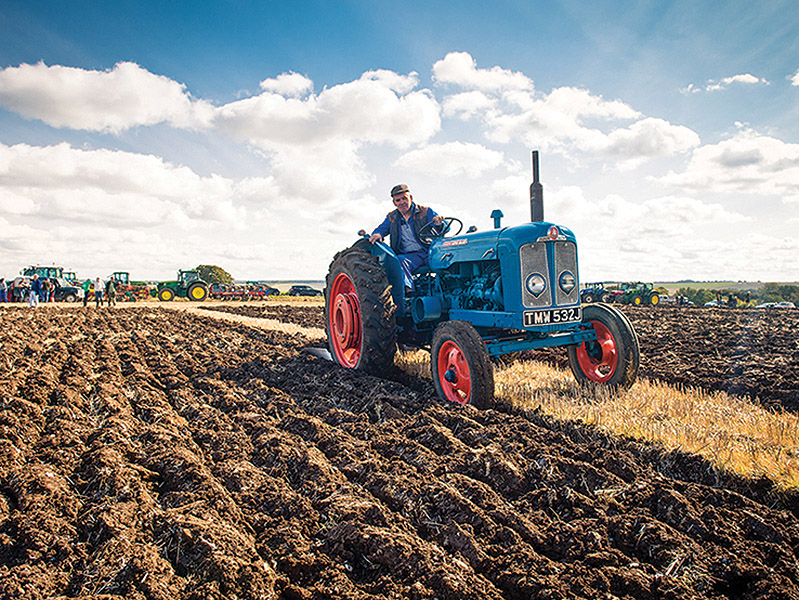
(552, 316)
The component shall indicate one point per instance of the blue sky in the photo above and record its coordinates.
(151, 136)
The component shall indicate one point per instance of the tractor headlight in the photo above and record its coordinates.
(536, 284)
(567, 281)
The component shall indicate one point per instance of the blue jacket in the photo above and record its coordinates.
(420, 216)
(36, 285)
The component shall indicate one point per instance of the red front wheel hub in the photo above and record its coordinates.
(599, 359)
(453, 373)
(344, 315)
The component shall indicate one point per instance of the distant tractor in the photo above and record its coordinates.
(43, 272)
(128, 290)
(595, 292)
(484, 294)
(638, 294)
(188, 285)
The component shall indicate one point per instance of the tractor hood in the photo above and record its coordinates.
(485, 245)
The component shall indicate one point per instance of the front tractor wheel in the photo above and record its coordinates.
(614, 357)
(588, 298)
(166, 294)
(197, 292)
(359, 312)
(462, 370)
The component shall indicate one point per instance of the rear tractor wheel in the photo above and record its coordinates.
(462, 370)
(197, 292)
(614, 357)
(359, 312)
(654, 299)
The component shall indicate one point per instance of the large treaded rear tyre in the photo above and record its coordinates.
(462, 371)
(613, 359)
(360, 312)
(197, 292)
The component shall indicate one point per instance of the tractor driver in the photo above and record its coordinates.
(403, 226)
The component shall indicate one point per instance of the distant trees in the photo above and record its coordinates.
(770, 292)
(214, 274)
(778, 292)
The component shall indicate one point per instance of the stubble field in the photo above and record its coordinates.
(154, 453)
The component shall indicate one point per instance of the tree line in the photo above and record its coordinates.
(770, 292)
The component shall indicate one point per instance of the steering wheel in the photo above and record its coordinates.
(427, 234)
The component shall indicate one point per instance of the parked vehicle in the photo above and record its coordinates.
(65, 291)
(595, 292)
(128, 290)
(303, 290)
(785, 305)
(638, 294)
(188, 285)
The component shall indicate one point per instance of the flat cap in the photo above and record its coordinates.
(399, 189)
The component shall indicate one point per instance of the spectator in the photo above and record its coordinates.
(45, 296)
(86, 286)
(35, 291)
(110, 293)
(3, 289)
(98, 292)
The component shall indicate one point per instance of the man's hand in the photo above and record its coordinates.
(375, 237)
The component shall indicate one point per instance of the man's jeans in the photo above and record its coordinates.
(411, 262)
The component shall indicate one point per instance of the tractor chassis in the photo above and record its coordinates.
(532, 341)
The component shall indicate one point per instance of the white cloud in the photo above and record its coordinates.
(714, 85)
(460, 68)
(288, 84)
(65, 183)
(745, 79)
(366, 110)
(567, 120)
(451, 159)
(795, 79)
(112, 100)
(467, 104)
(748, 163)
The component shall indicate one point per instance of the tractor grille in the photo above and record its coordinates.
(536, 259)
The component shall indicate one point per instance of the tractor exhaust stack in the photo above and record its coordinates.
(536, 193)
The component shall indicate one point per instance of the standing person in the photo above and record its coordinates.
(110, 293)
(86, 286)
(35, 291)
(45, 289)
(3, 289)
(403, 225)
(98, 292)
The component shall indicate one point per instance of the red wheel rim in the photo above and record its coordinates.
(344, 321)
(598, 360)
(453, 373)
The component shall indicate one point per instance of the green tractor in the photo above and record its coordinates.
(638, 294)
(188, 285)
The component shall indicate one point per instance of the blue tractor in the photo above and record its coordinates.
(483, 295)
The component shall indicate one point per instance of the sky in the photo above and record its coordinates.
(261, 136)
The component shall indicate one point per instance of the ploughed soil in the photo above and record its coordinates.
(747, 352)
(152, 453)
